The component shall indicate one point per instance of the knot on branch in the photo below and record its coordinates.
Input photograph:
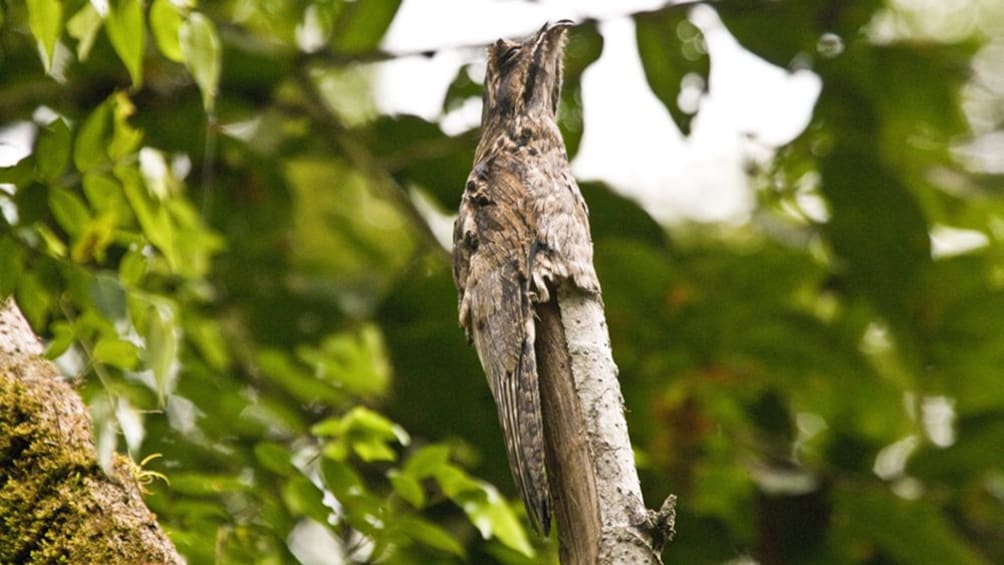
(661, 524)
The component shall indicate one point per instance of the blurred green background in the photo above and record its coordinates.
(233, 253)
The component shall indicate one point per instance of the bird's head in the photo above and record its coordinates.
(525, 77)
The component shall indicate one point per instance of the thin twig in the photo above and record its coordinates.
(208, 163)
(99, 368)
(328, 55)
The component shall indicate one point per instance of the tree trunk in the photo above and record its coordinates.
(599, 510)
(57, 503)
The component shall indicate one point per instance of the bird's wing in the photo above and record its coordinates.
(491, 247)
(465, 244)
(562, 249)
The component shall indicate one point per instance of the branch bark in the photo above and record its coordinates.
(56, 502)
(599, 510)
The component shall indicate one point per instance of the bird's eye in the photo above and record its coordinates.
(509, 55)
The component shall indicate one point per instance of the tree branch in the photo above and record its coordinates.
(57, 504)
(599, 509)
(329, 55)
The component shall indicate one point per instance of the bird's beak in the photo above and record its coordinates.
(554, 26)
(544, 70)
(546, 37)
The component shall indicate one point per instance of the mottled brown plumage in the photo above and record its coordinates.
(522, 230)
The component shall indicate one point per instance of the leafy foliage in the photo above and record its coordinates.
(215, 233)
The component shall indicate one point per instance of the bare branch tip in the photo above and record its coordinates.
(660, 525)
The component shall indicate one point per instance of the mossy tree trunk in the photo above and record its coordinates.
(57, 504)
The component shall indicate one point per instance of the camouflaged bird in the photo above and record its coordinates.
(522, 231)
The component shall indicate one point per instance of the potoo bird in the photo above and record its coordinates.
(522, 231)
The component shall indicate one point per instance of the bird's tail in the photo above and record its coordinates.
(505, 337)
(525, 447)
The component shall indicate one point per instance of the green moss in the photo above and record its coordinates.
(56, 503)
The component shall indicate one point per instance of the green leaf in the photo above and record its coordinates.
(973, 454)
(133, 268)
(33, 299)
(277, 366)
(11, 265)
(407, 488)
(126, 32)
(69, 210)
(377, 425)
(117, 352)
(372, 449)
(84, 27)
(780, 31)
(672, 51)
(366, 431)
(93, 240)
(462, 88)
(485, 508)
(275, 457)
(53, 150)
(427, 461)
(361, 25)
(329, 427)
(45, 18)
(63, 336)
(493, 517)
(364, 420)
(585, 45)
(886, 255)
(622, 217)
(108, 296)
(355, 361)
(125, 138)
(205, 484)
(165, 21)
(152, 217)
(342, 480)
(105, 194)
(194, 242)
(21, 173)
(963, 335)
(304, 499)
(89, 148)
(53, 244)
(209, 339)
(162, 347)
(200, 46)
(337, 450)
(457, 484)
(430, 534)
